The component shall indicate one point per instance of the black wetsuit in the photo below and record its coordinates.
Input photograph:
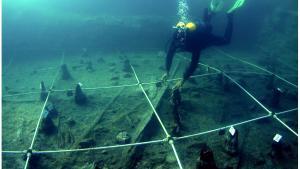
(197, 40)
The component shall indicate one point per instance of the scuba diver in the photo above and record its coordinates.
(195, 37)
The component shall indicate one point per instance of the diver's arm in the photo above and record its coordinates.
(170, 55)
(193, 65)
(217, 40)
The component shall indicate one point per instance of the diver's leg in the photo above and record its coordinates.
(226, 39)
(193, 65)
(207, 15)
(229, 27)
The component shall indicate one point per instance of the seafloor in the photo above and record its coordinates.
(207, 103)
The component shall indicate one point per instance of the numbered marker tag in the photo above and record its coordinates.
(277, 138)
(232, 130)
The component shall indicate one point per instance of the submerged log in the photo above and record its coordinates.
(143, 130)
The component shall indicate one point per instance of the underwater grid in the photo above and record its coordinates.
(211, 71)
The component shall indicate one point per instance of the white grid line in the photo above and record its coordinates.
(41, 114)
(158, 141)
(168, 136)
(250, 95)
(287, 111)
(285, 125)
(130, 85)
(150, 103)
(182, 15)
(98, 148)
(13, 152)
(221, 128)
(19, 94)
(176, 154)
(97, 88)
(108, 87)
(148, 142)
(256, 66)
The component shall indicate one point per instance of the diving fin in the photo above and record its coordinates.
(237, 4)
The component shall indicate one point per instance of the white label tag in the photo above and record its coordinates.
(232, 130)
(277, 138)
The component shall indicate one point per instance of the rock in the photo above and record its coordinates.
(52, 111)
(231, 141)
(80, 97)
(44, 92)
(123, 138)
(65, 74)
(47, 125)
(206, 159)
